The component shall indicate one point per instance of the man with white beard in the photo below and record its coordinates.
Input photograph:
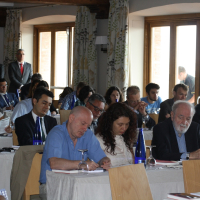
(177, 138)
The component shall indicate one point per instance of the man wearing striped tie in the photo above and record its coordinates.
(7, 100)
(19, 72)
(25, 125)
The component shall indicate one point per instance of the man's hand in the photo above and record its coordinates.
(167, 115)
(141, 108)
(105, 163)
(8, 129)
(92, 165)
(195, 155)
(10, 108)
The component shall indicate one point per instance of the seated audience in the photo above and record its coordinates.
(7, 100)
(113, 95)
(25, 88)
(64, 141)
(133, 100)
(25, 125)
(177, 137)
(179, 93)
(116, 133)
(96, 104)
(25, 106)
(66, 91)
(69, 101)
(152, 98)
(83, 96)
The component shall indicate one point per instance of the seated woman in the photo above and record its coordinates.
(84, 94)
(113, 95)
(116, 133)
(66, 91)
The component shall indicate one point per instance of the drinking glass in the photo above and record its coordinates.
(150, 160)
(83, 166)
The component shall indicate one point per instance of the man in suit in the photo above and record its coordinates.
(177, 137)
(180, 93)
(19, 72)
(25, 88)
(139, 107)
(7, 100)
(25, 125)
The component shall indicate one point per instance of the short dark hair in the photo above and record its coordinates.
(151, 86)
(66, 91)
(109, 92)
(40, 91)
(3, 80)
(132, 90)
(20, 50)
(98, 97)
(31, 88)
(83, 94)
(43, 84)
(36, 76)
(181, 69)
(80, 85)
(180, 85)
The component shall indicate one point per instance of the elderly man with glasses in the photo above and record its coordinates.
(96, 104)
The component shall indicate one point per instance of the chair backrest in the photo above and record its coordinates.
(55, 103)
(191, 175)
(129, 182)
(15, 139)
(64, 115)
(32, 184)
(154, 117)
(147, 143)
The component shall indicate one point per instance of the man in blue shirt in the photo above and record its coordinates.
(177, 137)
(152, 98)
(69, 100)
(62, 146)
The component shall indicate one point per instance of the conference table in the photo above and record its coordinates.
(97, 186)
(6, 141)
(6, 161)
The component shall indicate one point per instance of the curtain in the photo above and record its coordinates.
(85, 53)
(12, 37)
(117, 63)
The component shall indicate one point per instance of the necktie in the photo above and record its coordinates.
(42, 131)
(7, 100)
(21, 68)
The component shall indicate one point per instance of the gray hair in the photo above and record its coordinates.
(96, 96)
(179, 102)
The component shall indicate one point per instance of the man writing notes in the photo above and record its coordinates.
(25, 125)
(180, 93)
(177, 137)
(62, 146)
(19, 72)
(152, 98)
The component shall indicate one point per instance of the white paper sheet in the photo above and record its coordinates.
(3, 124)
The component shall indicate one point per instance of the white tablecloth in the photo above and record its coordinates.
(6, 142)
(57, 117)
(97, 186)
(6, 160)
(148, 135)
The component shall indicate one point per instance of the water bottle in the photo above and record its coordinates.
(140, 152)
(37, 138)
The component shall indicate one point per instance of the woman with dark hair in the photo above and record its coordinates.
(66, 91)
(113, 95)
(84, 94)
(116, 133)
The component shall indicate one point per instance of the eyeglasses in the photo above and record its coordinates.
(96, 108)
(3, 85)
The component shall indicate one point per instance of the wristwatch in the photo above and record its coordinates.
(187, 156)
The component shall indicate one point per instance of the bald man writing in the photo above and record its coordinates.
(64, 141)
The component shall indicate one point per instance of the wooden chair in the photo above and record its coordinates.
(191, 175)
(55, 103)
(154, 117)
(15, 139)
(129, 182)
(32, 184)
(64, 115)
(147, 143)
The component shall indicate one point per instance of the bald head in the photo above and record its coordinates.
(81, 110)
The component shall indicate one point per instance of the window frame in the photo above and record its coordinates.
(172, 21)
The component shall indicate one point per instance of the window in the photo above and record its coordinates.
(53, 55)
(171, 41)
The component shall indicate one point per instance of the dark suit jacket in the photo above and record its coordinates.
(164, 138)
(196, 117)
(15, 76)
(25, 91)
(25, 126)
(2, 71)
(165, 108)
(11, 96)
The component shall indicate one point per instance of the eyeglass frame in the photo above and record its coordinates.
(96, 108)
